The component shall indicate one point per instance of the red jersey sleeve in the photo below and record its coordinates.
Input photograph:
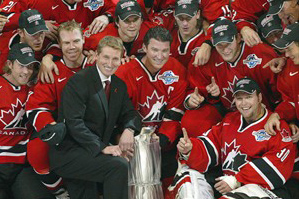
(275, 166)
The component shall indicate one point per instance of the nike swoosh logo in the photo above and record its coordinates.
(54, 7)
(62, 79)
(226, 124)
(292, 74)
(218, 64)
(138, 78)
(0, 86)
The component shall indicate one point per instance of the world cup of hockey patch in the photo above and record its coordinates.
(168, 77)
(252, 61)
(93, 4)
(261, 135)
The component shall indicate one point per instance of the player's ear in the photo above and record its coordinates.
(260, 97)
(21, 32)
(144, 47)
(198, 14)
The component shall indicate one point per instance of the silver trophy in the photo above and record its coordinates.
(145, 167)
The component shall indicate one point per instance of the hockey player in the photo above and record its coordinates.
(93, 13)
(43, 104)
(156, 85)
(14, 135)
(287, 82)
(232, 60)
(32, 30)
(253, 162)
(129, 26)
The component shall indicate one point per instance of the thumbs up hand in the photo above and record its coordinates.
(195, 99)
(185, 145)
(213, 88)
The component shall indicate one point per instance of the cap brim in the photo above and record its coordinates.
(282, 44)
(269, 32)
(273, 10)
(183, 12)
(37, 29)
(27, 61)
(227, 39)
(126, 15)
(244, 92)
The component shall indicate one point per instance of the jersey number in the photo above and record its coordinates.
(283, 154)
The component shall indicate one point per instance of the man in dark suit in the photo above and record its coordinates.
(91, 113)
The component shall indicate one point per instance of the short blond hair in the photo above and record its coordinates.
(113, 42)
(69, 26)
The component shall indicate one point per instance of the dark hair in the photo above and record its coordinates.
(159, 33)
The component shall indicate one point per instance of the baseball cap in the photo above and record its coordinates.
(275, 6)
(187, 7)
(32, 21)
(127, 8)
(268, 23)
(23, 53)
(246, 85)
(224, 30)
(289, 35)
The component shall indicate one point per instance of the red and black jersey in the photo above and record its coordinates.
(213, 9)
(8, 39)
(249, 64)
(184, 51)
(246, 152)
(288, 86)
(83, 12)
(14, 135)
(92, 41)
(44, 102)
(246, 13)
(158, 98)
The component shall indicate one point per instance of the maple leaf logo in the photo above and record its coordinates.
(153, 109)
(15, 117)
(228, 92)
(233, 158)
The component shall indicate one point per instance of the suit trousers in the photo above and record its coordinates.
(83, 172)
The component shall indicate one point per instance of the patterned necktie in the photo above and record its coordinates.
(107, 89)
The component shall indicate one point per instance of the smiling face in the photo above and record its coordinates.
(157, 54)
(129, 28)
(108, 60)
(290, 12)
(19, 74)
(229, 51)
(292, 52)
(34, 41)
(249, 105)
(71, 43)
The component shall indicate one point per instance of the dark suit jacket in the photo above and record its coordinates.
(89, 119)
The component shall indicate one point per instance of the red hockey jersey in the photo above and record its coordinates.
(8, 39)
(14, 135)
(83, 12)
(45, 100)
(92, 41)
(159, 98)
(250, 154)
(288, 86)
(184, 53)
(249, 64)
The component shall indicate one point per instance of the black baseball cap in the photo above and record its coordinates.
(23, 53)
(275, 6)
(186, 7)
(289, 35)
(268, 23)
(246, 85)
(127, 8)
(224, 30)
(32, 21)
